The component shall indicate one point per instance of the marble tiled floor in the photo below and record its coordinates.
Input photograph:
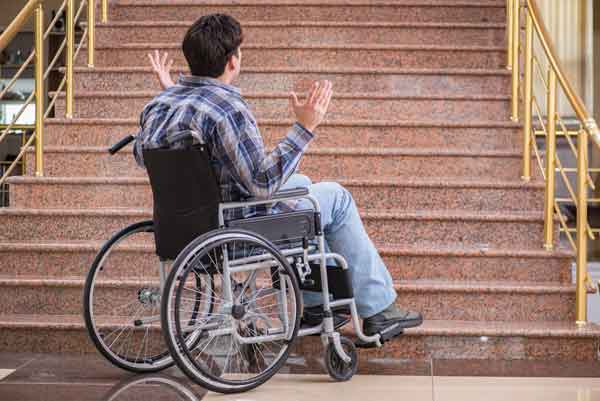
(30, 377)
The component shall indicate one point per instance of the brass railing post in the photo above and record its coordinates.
(91, 32)
(509, 34)
(582, 221)
(516, 24)
(550, 162)
(70, 28)
(39, 90)
(104, 10)
(528, 92)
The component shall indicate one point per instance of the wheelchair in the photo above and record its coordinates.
(220, 298)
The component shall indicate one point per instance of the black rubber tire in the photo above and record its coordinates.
(136, 227)
(338, 369)
(181, 359)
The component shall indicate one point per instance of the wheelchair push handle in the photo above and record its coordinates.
(121, 144)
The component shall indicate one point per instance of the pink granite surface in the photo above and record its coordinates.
(314, 11)
(390, 227)
(342, 106)
(393, 81)
(527, 341)
(474, 135)
(64, 259)
(338, 32)
(325, 56)
(437, 194)
(317, 164)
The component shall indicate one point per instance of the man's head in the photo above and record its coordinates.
(212, 47)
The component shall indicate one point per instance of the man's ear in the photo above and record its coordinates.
(231, 63)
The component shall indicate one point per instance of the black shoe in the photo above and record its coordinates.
(389, 323)
(313, 316)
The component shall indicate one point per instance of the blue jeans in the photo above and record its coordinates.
(346, 235)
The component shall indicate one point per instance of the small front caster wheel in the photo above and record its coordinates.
(336, 367)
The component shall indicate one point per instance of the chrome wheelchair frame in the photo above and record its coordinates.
(287, 269)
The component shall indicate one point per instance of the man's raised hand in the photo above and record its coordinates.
(162, 68)
(311, 112)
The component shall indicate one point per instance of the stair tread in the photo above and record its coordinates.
(338, 70)
(328, 24)
(377, 123)
(287, 3)
(424, 214)
(286, 95)
(406, 151)
(386, 249)
(381, 181)
(316, 46)
(424, 285)
(429, 327)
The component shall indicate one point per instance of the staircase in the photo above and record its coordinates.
(418, 131)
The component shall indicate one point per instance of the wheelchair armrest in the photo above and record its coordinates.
(283, 194)
(287, 194)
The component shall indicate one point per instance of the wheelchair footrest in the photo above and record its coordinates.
(385, 336)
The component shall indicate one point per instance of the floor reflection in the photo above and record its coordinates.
(91, 378)
(155, 387)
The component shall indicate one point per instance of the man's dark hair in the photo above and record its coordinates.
(210, 42)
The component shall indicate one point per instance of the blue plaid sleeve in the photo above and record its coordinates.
(240, 146)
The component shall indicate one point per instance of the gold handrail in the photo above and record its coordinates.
(68, 47)
(549, 127)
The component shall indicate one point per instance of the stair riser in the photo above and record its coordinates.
(374, 197)
(493, 234)
(324, 58)
(52, 340)
(316, 166)
(56, 264)
(466, 306)
(326, 136)
(442, 110)
(432, 267)
(283, 12)
(364, 83)
(299, 35)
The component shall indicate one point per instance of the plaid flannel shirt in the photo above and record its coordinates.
(208, 111)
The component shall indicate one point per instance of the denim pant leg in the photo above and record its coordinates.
(346, 235)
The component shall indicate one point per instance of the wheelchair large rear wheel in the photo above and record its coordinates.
(122, 301)
(247, 336)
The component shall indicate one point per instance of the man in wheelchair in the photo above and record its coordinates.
(205, 108)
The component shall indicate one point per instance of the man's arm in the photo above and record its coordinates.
(239, 145)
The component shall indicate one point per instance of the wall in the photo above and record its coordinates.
(570, 24)
(10, 8)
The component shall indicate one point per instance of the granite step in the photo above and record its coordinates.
(404, 194)
(47, 259)
(445, 339)
(429, 228)
(290, 33)
(390, 81)
(359, 11)
(470, 301)
(316, 163)
(343, 106)
(325, 56)
(474, 135)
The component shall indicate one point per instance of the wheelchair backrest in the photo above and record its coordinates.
(186, 197)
